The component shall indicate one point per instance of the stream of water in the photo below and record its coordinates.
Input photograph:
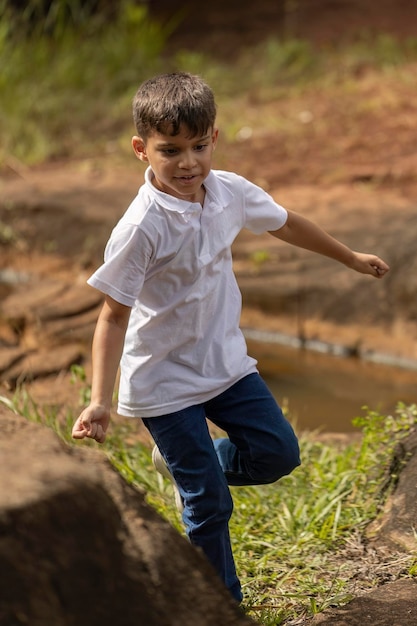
(324, 391)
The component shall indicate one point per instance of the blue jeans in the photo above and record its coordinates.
(261, 448)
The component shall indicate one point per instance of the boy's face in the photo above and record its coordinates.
(180, 163)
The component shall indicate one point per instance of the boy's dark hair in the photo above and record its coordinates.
(168, 101)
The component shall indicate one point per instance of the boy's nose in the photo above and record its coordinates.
(187, 160)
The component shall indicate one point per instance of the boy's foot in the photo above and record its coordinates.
(161, 467)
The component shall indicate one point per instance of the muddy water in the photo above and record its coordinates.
(326, 392)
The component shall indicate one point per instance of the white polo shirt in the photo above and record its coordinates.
(170, 260)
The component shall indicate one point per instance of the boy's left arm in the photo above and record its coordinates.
(301, 232)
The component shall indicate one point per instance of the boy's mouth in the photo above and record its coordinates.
(189, 178)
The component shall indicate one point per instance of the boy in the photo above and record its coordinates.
(171, 316)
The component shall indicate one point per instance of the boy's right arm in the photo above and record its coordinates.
(107, 349)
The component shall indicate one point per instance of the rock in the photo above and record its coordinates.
(8, 338)
(23, 303)
(76, 328)
(9, 356)
(49, 300)
(78, 545)
(43, 363)
(394, 604)
(74, 301)
(396, 527)
(50, 315)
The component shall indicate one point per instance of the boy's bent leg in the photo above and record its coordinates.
(185, 443)
(262, 446)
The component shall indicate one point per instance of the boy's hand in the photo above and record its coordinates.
(369, 264)
(93, 423)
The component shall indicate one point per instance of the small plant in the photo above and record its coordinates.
(381, 434)
(412, 570)
(259, 257)
(79, 378)
(21, 403)
(7, 235)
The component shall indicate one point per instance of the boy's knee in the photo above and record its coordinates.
(273, 467)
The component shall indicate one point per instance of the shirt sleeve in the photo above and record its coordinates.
(126, 259)
(262, 213)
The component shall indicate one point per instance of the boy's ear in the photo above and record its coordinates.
(139, 148)
(214, 137)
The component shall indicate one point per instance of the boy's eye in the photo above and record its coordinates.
(170, 151)
(200, 147)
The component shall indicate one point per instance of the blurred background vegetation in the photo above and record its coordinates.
(69, 70)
